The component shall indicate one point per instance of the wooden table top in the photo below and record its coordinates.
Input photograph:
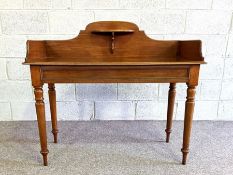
(116, 62)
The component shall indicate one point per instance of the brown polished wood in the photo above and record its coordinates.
(40, 111)
(170, 109)
(113, 52)
(189, 109)
(53, 110)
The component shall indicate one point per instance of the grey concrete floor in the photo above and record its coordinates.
(117, 148)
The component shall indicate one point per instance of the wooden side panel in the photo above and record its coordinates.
(190, 50)
(36, 50)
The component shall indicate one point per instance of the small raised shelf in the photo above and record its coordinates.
(113, 33)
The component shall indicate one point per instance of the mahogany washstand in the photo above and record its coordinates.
(113, 52)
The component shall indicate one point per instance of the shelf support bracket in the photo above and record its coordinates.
(113, 42)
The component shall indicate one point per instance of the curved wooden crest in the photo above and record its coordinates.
(113, 41)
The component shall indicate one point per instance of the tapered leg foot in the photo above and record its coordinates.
(188, 118)
(53, 110)
(55, 135)
(170, 109)
(45, 159)
(185, 154)
(168, 132)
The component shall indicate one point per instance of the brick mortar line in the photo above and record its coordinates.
(49, 24)
(26, 80)
(219, 97)
(7, 73)
(23, 3)
(185, 21)
(94, 15)
(117, 90)
(1, 24)
(75, 91)
(211, 5)
(135, 109)
(114, 8)
(118, 9)
(94, 111)
(71, 4)
(11, 111)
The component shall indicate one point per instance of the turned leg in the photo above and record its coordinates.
(40, 111)
(52, 102)
(170, 109)
(188, 117)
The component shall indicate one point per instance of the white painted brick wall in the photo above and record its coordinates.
(228, 71)
(65, 92)
(214, 69)
(208, 20)
(61, 4)
(37, 4)
(225, 110)
(117, 15)
(230, 46)
(12, 46)
(68, 22)
(22, 109)
(188, 4)
(24, 22)
(149, 4)
(76, 110)
(223, 4)
(16, 71)
(207, 93)
(163, 22)
(5, 111)
(11, 4)
(95, 4)
(204, 110)
(3, 74)
(146, 91)
(151, 110)
(118, 110)
(96, 92)
(15, 91)
(227, 91)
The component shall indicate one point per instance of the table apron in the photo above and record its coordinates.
(115, 74)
